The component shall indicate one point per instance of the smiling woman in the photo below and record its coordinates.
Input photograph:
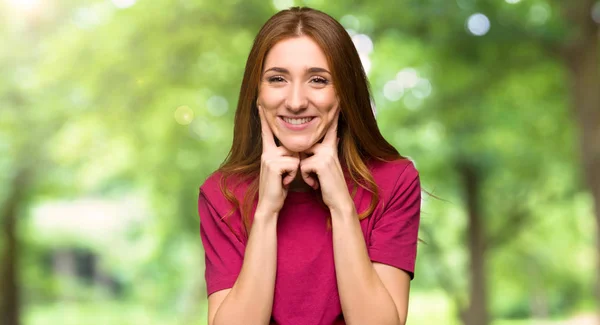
(297, 93)
(313, 217)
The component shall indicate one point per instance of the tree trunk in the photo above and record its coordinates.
(581, 59)
(476, 313)
(9, 280)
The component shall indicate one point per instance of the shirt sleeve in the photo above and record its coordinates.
(224, 252)
(395, 234)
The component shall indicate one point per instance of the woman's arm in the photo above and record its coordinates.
(369, 294)
(250, 300)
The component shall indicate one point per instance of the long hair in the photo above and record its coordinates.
(360, 138)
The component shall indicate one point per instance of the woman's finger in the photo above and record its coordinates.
(268, 139)
(289, 168)
(309, 174)
(331, 134)
(289, 178)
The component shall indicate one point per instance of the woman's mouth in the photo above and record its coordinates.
(296, 123)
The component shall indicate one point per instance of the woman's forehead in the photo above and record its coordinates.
(296, 54)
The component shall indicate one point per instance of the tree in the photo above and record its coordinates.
(580, 55)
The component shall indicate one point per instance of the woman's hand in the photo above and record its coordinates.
(278, 168)
(324, 163)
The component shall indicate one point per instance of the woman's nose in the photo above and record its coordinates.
(296, 99)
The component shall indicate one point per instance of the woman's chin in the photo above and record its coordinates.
(296, 147)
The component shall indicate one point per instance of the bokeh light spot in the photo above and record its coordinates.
(217, 105)
(539, 13)
(512, 1)
(422, 89)
(393, 91)
(478, 24)
(199, 128)
(363, 43)
(407, 78)
(350, 22)
(184, 115)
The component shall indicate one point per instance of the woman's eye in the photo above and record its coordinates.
(276, 79)
(320, 80)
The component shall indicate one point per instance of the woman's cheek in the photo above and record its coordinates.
(271, 99)
(327, 102)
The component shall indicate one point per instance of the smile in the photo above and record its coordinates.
(296, 124)
(297, 121)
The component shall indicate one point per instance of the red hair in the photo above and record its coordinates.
(360, 138)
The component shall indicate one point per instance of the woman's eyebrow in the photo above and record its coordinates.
(317, 69)
(277, 69)
(309, 70)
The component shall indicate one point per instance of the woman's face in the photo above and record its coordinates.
(296, 93)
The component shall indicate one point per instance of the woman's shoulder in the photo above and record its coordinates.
(213, 185)
(387, 173)
(211, 193)
(395, 180)
(213, 204)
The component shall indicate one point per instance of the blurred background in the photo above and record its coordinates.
(113, 112)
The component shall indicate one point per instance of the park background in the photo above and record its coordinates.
(113, 112)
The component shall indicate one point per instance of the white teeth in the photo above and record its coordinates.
(297, 121)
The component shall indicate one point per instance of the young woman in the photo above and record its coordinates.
(313, 217)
